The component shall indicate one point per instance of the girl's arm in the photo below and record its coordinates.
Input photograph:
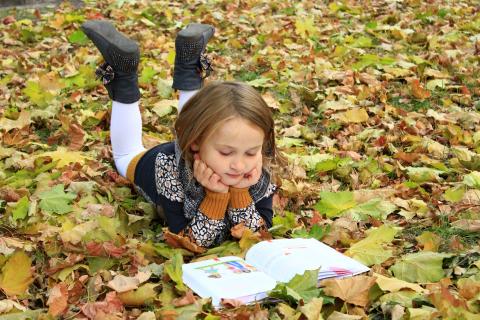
(244, 210)
(207, 227)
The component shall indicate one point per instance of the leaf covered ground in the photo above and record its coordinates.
(376, 105)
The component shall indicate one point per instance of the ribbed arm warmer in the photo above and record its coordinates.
(239, 198)
(214, 205)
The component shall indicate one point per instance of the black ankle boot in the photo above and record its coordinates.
(190, 61)
(121, 55)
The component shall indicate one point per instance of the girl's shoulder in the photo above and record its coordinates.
(264, 188)
(167, 176)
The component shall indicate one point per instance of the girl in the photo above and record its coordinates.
(212, 177)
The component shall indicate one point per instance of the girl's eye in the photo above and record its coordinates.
(225, 153)
(251, 154)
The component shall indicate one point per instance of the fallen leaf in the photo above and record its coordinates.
(352, 290)
(187, 299)
(418, 91)
(16, 274)
(58, 300)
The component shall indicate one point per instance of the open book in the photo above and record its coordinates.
(265, 264)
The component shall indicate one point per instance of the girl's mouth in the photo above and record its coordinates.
(233, 175)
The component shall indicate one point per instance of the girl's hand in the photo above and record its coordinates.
(250, 178)
(207, 178)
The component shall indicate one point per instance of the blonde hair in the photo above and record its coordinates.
(220, 101)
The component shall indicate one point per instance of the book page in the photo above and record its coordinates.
(282, 259)
(227, 277)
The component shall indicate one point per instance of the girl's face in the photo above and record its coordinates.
(233, 149)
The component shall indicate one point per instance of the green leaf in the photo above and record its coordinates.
(376, 208)
(96, 264)
(282, 225)
(260, 82)
(173, 268)
(56, 200)
(454, 194)
(316, 232)
(21, 210)
(164, 89)
(147, 75)
(472, 179)
(421, 267)
(332, 204)
(301, 287)
(371, 250)
(423, 174)
(78, 37)
(37, 94)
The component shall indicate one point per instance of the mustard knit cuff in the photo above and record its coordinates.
(214, 205)
(239, 198)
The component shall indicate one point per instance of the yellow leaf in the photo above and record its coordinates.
(65, 156)
(304, 26)
(16, 275)
(352, 116)
(394, 284)
(141, 296)
(22, 121)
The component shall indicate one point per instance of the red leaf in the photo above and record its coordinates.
(380, 142)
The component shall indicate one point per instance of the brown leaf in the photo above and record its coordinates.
(111, 304)
(76, 135)
(58, 300)
(231, 303)
(187, 299)
(352, 290)
(180, 241)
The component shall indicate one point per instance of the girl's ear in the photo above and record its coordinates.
(194, 147)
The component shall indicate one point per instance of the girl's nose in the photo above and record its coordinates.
(237, 165)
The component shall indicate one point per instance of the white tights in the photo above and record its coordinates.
(126, 130)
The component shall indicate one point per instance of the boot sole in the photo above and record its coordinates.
(105, 37)
(195, 31)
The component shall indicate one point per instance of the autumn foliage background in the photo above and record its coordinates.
(376, 105)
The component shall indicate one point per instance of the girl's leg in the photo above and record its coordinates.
(119, 75)
(190, 61)
(184, 96)
(125, 134)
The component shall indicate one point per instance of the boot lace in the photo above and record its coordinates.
(105, 72)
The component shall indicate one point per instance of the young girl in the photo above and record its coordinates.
(212, 177)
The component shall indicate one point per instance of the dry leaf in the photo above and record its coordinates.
(352, 290)
(58, 300)
(187, 299)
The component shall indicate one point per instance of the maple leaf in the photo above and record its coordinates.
(64, 157)
(56, 200)
(305, 27)
(352, 290)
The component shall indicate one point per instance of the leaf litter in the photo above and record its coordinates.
(376, 108)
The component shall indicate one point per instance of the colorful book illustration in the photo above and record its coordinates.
(265, 264)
